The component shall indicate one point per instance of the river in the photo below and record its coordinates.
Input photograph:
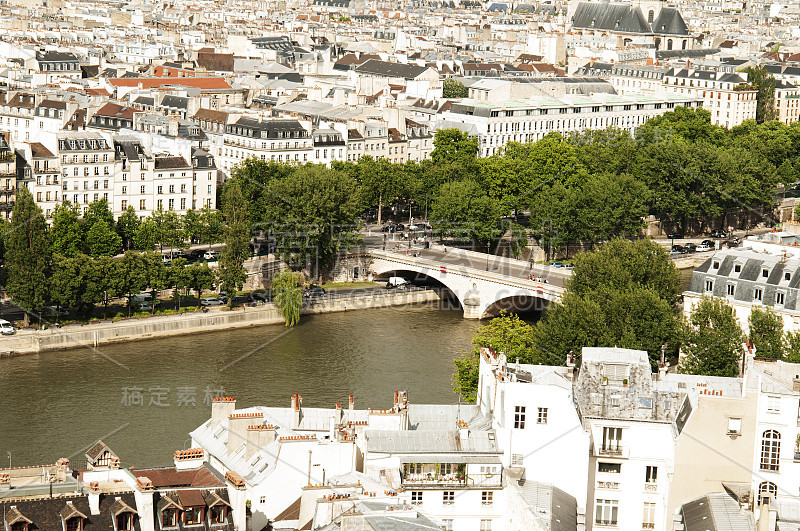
(144, 398)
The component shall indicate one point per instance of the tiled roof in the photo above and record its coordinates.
(170, 477)
(169, 163)
(116, 111)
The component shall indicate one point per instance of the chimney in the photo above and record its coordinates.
(570, 365)
(339, 414)
(796, 383)
(5, 481)
(94, 497)
(352, 403)
(62, 467)
(297, 409)
(237, 428)
(221, 408)
(258, 436)
(190, 459)
(237, 496)
(143, 493)
(173, 127)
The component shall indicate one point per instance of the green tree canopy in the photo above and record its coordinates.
(237, 238)
(766, 332)
(127, 226)
(66, 234)
(462, 209)
(764, 82)
(27, 254)
(287, 293)
(453, 88)
(712, 340)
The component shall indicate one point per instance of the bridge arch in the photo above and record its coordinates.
(481, 294)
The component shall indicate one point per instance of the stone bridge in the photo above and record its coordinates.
(483, 284)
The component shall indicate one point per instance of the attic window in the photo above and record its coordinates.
(715, 265)
(765, 272)
(737, 268)
(263, 467)
(787, 276)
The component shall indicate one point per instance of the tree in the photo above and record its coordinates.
(712, 340)
(168, 229)
(127, 227)
(156, 275)
(201, 278)
(102, 240)
(454, 147)
(212, 225)
(764, 82)
(793, 347)
(180, 278)
(98, 211)
(508, 334)
(237, 239)
(690, 125)
(453, 88)
(146, 235)
(380, 180)
(75, 283)
(462, 209)
(766, 332)
(622, 264)
(105, 271)
(66, 234)
(27, 254)
(131, 275)
(287, 293)
(255, 177)
(192, 226)
(313, 214)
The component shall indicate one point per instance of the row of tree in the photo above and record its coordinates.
(71, 263)
(582, 188)
(95, 233)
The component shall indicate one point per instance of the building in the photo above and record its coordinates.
(8, 177)
(727, 96)
(497, 123)
(271, 140)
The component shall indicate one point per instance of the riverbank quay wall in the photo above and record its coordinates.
(106, 332)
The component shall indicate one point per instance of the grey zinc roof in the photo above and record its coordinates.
(429, 442)
(670, 22)
(622, 18)
(716, 512)
(388, 69)
(439, 417)
(555, 509)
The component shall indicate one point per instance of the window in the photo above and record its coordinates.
(709, 285)
(141, 204)
(516, 459)
(124, 522)
(780, 297)
(141, 189)
(193, 515)
(160, 190)
(448, 497)
(765, 272)
(542, 416)
(715, 265)
(609, 468)
(770, 450)
(649, 516)
(646, 403)
(606, 512)
(734, 426)
(651, 474)
(445, 469)
(773, 404)
(737, 268)
(487, 497)
(172, 188)
(171, 204)
(124, 205)
(74, 524)
(766, 489)
(416, 497)
(486, 525)
(731, 290)
(218, 514)
(612, 440)
(519, 417)
(787, 276)
(758, 294)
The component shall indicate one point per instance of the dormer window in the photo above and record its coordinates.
(74, 524)
(217, 514)
(787, 276)
(193, 516)
(765, 272)
(124, 522)
(169, 518)
(715, 264)
(737, 268)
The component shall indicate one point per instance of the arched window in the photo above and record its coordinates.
(765, 489)
(669, 44)
(770, 450)
(650, 16)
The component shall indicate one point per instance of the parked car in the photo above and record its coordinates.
(314, 291)
(396, 282)
(680, 249)
(213, 301)
(557, 264)
(719, 233)
(705, 247)
(710, 243)
(733, 242)
(260, 296)
(6, 328)
(210, 255)
(690, 247)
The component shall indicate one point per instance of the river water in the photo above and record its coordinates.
(144, 398)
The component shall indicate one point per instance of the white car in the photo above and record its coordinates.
(6, 328)
(210, 255)
(704, 247)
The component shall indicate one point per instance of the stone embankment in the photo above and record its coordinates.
(216, 319)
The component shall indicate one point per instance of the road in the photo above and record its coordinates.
(493, 264)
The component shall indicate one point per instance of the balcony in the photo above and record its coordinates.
(448, 475)
(651, 487)
(608, 485)
(616, 450)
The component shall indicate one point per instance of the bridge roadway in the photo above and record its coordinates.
(508, 283)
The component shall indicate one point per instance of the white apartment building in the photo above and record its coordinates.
(497, 123)
(728, 97)
(633, 427)
(272, 140)
(41, 175)
(787, 102)
(87, 167)
(530, 406)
